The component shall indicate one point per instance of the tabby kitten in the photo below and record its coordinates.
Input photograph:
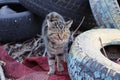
(55, 33)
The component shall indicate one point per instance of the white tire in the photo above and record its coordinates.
(85, 60)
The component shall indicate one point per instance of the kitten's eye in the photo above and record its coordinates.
(56, 34)
(66, 35)
(53, 27)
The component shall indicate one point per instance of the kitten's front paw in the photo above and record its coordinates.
(51, 72)
(60, 68)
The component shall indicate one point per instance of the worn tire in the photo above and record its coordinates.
(70, 9)
(18, 26)
(85, 60)
(8, 1)
(106, 12)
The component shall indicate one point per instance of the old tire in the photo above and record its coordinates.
(106, 12)
(8, 1)
(85, 60)
(70, 9)
(16, 23)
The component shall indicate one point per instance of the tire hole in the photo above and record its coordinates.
(16, 7)
(118, 2)
(112, 51)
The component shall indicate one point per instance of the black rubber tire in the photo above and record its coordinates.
(18, 26)
(8, 1)
(106, 12)
(70, 9)
(86, 61)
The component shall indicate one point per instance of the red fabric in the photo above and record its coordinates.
(33, 68)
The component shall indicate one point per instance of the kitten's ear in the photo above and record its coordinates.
(69, 23)
(49, 23)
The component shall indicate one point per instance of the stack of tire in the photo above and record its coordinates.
(23, 24)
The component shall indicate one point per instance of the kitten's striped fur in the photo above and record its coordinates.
(55, 33)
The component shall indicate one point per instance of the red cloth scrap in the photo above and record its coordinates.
(32, 68)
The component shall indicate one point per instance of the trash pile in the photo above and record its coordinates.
(22, 50)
